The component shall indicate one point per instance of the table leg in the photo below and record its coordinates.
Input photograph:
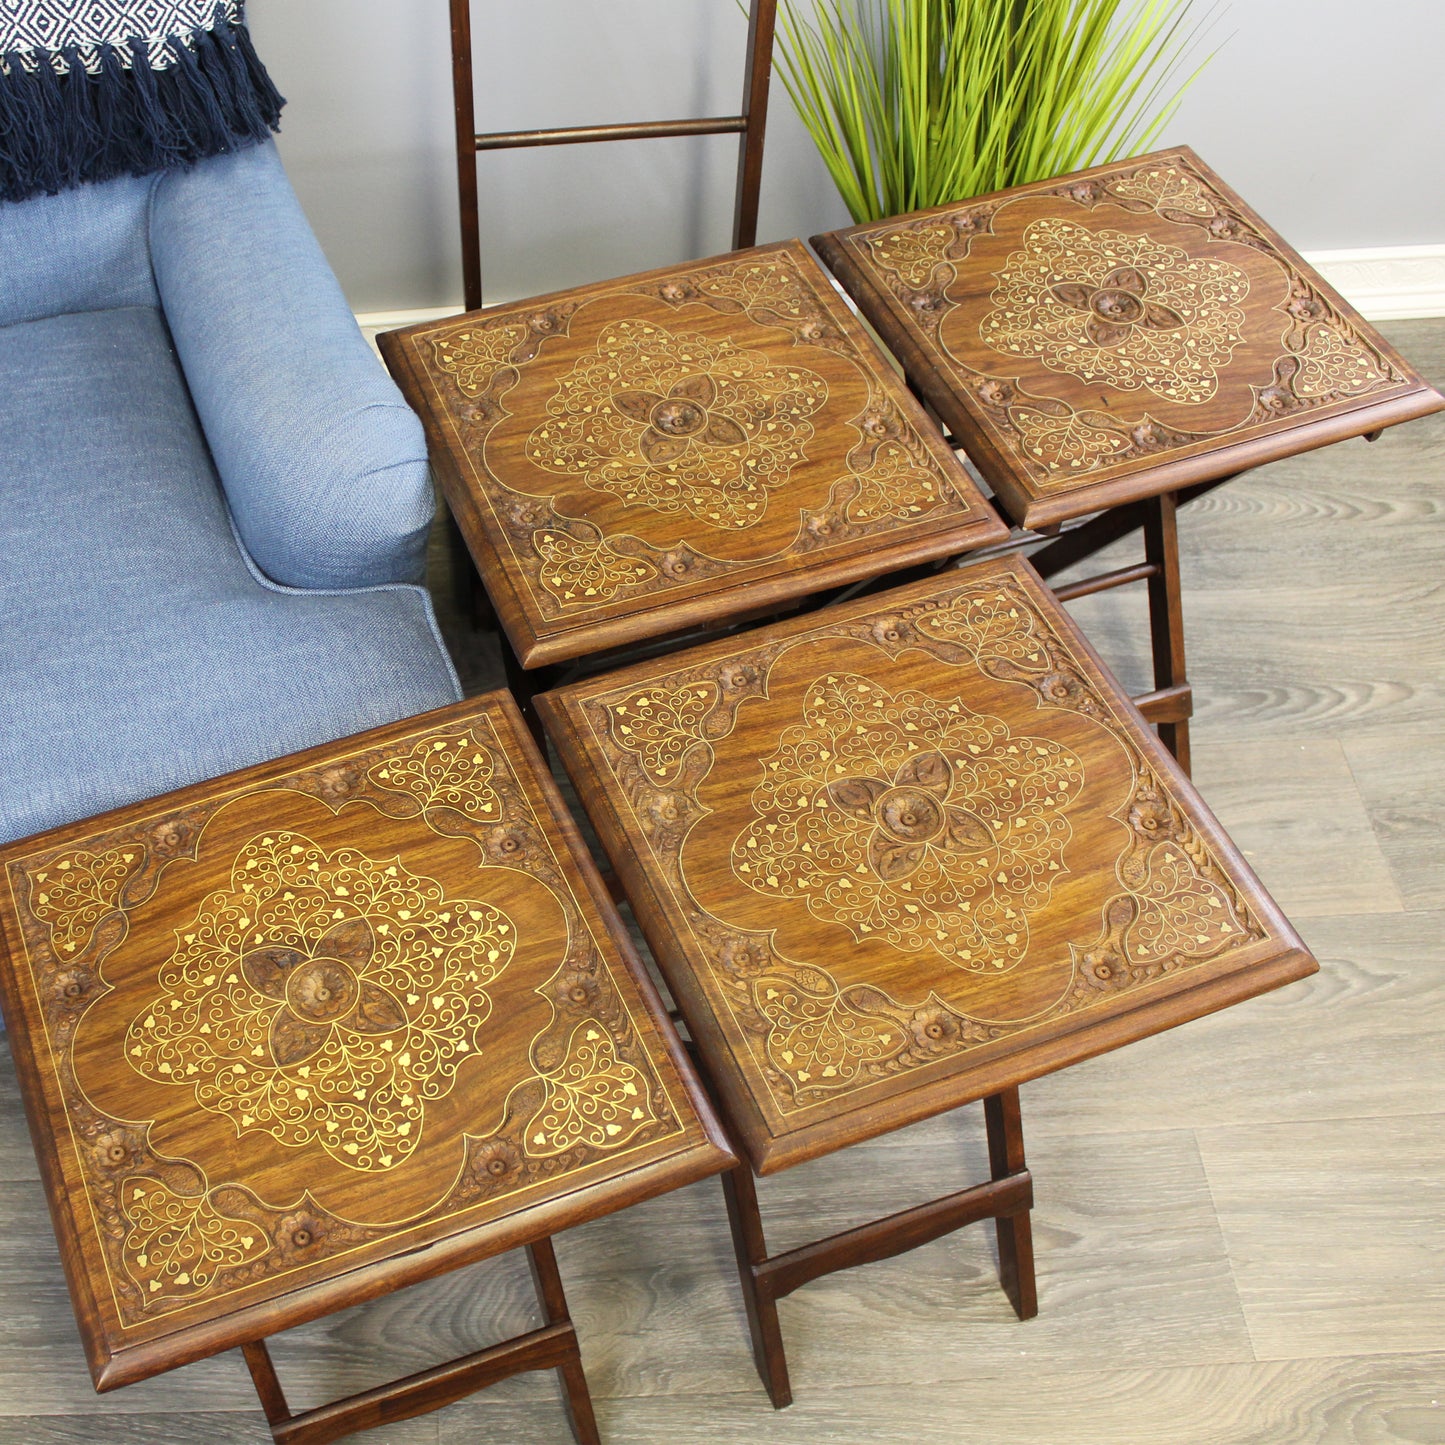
(762, 1308)
(1082, 541)
(1166, 614)
(468, 596)
(551, 1347)
(1015, 1231)
(524, 685)
(268, 1387)
(1006, 1198)
(548, 1281)
(1171, 703)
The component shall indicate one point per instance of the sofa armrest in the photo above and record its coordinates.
(323, 463)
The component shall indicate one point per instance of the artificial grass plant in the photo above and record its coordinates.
(916, 103)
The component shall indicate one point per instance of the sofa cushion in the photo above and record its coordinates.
(139, 648)
(79, 251)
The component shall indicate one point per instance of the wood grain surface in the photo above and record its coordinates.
(908, 852)
(687, 446)
(1314, 611)
(1369, 1300)
(296, 1037)
(1121, 332)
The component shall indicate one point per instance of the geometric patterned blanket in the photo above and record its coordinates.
(92, 89)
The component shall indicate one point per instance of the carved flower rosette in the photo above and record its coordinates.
(677, 423)
(944, 844)
(324, 999)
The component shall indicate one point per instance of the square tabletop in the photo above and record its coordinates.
(1118, 333)
(689, 446)
(907, 852)
(313, 1031)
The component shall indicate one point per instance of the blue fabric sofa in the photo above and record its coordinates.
(213, 501)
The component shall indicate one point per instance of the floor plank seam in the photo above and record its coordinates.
(1374, 826)
(1224, 1242)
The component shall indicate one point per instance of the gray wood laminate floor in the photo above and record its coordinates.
(1240, 1224)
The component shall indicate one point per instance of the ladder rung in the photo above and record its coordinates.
(640, 130)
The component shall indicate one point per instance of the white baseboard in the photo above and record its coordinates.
(389, 320)
(373, 321)
(1385, 283)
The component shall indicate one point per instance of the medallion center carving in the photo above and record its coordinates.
(1127, 311)
(675, 422)
(324, 999)
(912, 820)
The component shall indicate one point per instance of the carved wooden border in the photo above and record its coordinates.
(67, 932)
(643, 785)
(1034, 446)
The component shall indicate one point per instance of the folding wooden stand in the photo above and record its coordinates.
(749, 124)
(898, 855)
(553, 1346)
(1006, 1199)
(296, 1038)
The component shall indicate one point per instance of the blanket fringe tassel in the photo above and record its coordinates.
(128, 119)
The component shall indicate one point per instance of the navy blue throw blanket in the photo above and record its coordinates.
(93, 89)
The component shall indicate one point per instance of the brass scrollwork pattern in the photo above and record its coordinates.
(1124, 310)
(912, 820)
(330, 999)
(877, 810)
(671, 422)
(1132, 312)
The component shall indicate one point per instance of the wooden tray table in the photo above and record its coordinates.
(304, 1035)
(900, 855)
(680, 449)
(1121, 338)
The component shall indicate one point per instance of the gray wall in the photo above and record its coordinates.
(1325, 114)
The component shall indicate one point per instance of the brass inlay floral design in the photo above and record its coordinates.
(1098, 304)
(894, 486)
(911, 819)
(990, 625)
(324, 999)
(593, 1097)
(767, 289)
(474, 357)
(1177, 908)
(1178, 911)
(904, 816)
(660, 724)
(178, 1243)
(912, 252)
(702, 427)
(816, 1038)
(76, 892)
(587, 572)
(1127, 311)
(1061, 439)
(1165, 188)
(1331, 363)
(453, 771)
